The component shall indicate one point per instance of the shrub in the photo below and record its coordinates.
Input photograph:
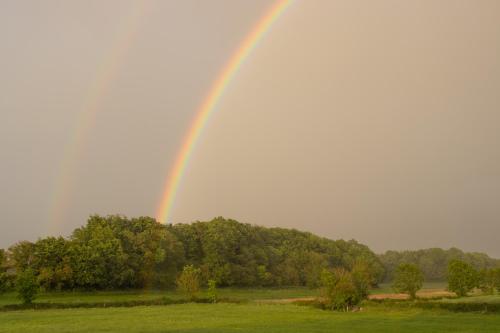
(462, 277)
(363, 278)
(496, 279)
(339, 290)
(212, 291)
(3, 283)
(486, 280)
(27, 286)
(408, 279)
(189, 281)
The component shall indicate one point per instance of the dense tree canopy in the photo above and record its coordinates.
(434, 262)
(234, 253)
(117, 252)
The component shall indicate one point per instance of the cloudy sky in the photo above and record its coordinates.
(373, 120)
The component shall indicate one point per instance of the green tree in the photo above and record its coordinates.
(462, 277)
(487, 280)
(188, 281)
(3, 275)
(496, 279)
(408, 279)
(27, 286)
(363, 277)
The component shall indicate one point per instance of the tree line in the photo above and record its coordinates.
(434, 262)
(116, 252)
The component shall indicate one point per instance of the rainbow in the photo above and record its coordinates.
(98, 88)
(210, 103)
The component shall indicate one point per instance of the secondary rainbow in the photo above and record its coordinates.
(99, 87)
(210, 103)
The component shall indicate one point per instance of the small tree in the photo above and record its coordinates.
(496, 279)
(486, 280)
(339, 290)
(189, 281)
(408, 279)
(462, 277)
(363, 278)
(3, 274)
(212, 291)
(27, 286)
(3, 283)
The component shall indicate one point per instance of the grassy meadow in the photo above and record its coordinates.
(258, 310)
(245, 317)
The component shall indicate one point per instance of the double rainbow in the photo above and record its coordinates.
(210, 103)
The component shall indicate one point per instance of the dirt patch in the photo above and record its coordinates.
(426, 293)
(285, 300)
(429, 293)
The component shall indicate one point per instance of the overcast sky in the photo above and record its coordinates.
(372, 120)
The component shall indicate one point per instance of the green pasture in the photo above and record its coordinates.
(245, 317)
(108, 297)
(474, 299)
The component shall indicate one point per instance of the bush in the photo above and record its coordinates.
(363, 278)
(496, 279)
(487, 280)
(3, 283)
(27, 286)
(462, 277)
(212, 291)
(339, 290)
(189, 281)
(408, 279)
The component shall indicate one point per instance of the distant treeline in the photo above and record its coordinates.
(434, 262)
(116, 252)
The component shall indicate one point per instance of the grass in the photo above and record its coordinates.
(495, 299)
(109, 297)
(250, 316)
(386, 288)
(246, 317)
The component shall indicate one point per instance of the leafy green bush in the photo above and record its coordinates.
(189, 281)
(338, 290)
(212, 291)
(27, 286)
(487, 280)
(462, 277)
(3, 283)
(408, 279)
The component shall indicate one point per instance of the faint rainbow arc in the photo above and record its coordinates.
(98, 88)
(209, 104)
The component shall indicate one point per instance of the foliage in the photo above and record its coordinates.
(338, 289)
(115, 252)
(3, 273)
(212, 291)
(433, 262)
(408, 279)
(27, 286)
(188, 281)
(238, 254)
(489, 280)
(363, 278)
(462, 277)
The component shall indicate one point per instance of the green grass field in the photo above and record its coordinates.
(247, 317)
(474, 299)
(250, 316)
(241, 294)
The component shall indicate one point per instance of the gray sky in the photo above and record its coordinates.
(372, 120)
